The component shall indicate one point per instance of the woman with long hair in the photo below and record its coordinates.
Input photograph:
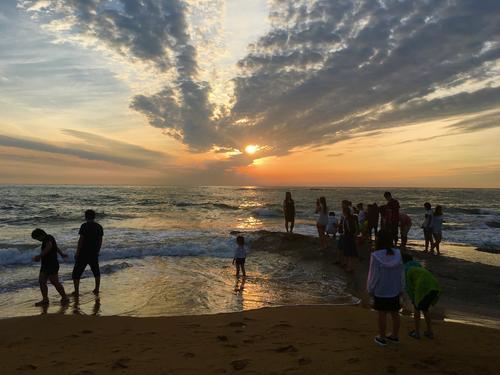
(322, 221)
(386, 285)
(289, 211)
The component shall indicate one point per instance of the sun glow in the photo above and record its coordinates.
(251, 149)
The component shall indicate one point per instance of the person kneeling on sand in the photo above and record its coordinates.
(386, 285)
(423, 290)
(240, 255)
(49, 266)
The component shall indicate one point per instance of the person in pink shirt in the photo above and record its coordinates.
(404, 228)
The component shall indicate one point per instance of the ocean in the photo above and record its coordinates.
(168, 250)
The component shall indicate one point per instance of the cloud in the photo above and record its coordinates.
(91, 147)
(153, 32)
(326, 71)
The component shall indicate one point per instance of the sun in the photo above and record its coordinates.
(251, 149)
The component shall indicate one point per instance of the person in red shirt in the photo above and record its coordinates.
(391, 216)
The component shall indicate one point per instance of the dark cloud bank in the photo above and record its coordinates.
(326, 71)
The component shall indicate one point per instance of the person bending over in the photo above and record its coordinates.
(424, 291)
(49, 268)
(87, 252)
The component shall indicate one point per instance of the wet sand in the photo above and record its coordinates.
(471, 290)
(291, 340)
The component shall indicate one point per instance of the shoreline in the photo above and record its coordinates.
(295, 340)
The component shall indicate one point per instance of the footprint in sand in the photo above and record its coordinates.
(237, 324)
(188, 355)
(86, 331)
(304, 361)
(282, 325)
(286, 349)
(431, 361)
(353, 360)
(222, 338)
(121, 363)
(240, 364)
(26, 367)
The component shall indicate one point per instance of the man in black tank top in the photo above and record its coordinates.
(87, 252)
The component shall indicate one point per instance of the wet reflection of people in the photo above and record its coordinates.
(240, 285)
(44, 309)
(96, 309)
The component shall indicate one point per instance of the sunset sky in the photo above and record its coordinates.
(333, 93)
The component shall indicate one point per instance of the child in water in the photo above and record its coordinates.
(49, 266)
(240, 255)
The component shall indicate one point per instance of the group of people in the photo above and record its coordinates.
(87, 254)
(393, 274)
(356, 224)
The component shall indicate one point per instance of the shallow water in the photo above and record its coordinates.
(167, 250)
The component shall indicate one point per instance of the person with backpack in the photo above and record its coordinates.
(385, 283)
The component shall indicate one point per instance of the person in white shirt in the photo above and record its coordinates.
(240, 255)
(386, 284)
(331, 227)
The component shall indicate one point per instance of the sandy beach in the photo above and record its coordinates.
(291, 340)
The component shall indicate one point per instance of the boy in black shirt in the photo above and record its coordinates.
(49, 266)
(87, 252)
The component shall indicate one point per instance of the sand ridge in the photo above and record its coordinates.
(284, 340)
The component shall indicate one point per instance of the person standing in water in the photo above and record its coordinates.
(391, 216)
(49, 268)
(349, 230)
(240, 255)
(427, 226)
(437, 228)
(404, 228)
(87, 252)
(289, 211)
(322, 221)
(373, 219)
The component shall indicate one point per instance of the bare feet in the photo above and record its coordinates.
(96, 292)
(43, 302)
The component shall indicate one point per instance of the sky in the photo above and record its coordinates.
(260, 92)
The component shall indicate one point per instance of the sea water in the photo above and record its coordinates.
(168, 250)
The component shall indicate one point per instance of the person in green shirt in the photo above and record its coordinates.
(423, 290)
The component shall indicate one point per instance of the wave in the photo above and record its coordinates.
(214, 247)
(60, 218)
(221, 206)
(267, 212)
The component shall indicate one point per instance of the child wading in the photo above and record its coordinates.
(423, 290)
(386, 285)
(49, 266)
(240, 255)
